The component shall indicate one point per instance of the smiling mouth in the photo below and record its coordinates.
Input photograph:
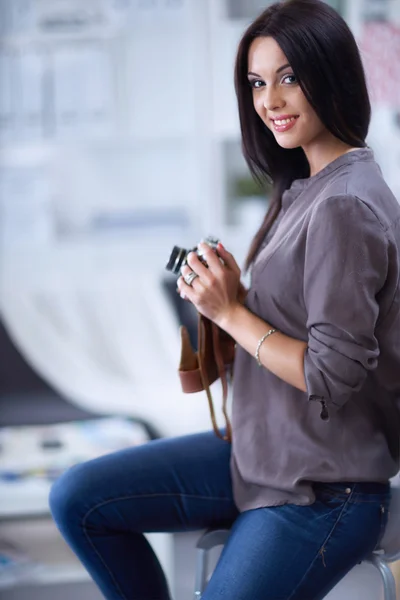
(284, 124)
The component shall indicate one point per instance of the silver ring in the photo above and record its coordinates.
(190, 277)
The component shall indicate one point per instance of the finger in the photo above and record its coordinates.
(227, 257)
(185, 291)
(197, 266)
(189, 292)
(186, 269)
(179, 286)
(211, 258)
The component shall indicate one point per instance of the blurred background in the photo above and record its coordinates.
(119, 138)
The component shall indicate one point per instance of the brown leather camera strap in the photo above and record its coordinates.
(206, 384)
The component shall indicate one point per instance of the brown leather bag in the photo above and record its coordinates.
(213, 360)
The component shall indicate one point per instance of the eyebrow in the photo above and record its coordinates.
(277, 71)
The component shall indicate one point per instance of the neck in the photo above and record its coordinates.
(320, 153)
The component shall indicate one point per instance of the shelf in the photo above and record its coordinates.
(26, 153)
(51, 561)
(13, 500)
(60, 574)
(42, 575)
(45, 38)
(45, 557)
(250, 9)
(246, 10)
(43, 149)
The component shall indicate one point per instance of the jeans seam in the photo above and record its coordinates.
(355, 501)
(383, 524)
(153, 496)
(328, 537)
(101, 558)
(100, 504)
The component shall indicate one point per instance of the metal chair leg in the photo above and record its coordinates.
(201, 572)
(210, 539)
(389, 584)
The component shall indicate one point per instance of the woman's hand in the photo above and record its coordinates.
(217, 289)
(242, 293)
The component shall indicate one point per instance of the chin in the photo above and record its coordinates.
(287, 143)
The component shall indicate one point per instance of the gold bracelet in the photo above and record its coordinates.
(260, 341)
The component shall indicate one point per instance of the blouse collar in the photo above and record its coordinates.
(299, 185)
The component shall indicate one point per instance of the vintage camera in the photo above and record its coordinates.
(178, 255)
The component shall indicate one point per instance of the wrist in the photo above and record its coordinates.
(228, 317)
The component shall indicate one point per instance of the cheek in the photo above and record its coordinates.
(258, 106)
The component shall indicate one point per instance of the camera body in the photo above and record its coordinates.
(178, 257)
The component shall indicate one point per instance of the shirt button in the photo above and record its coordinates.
(348, 490)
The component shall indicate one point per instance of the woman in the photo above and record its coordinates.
(305, 484)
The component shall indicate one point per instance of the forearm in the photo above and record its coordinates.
(279, 353)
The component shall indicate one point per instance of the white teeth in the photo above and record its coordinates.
(284, 121)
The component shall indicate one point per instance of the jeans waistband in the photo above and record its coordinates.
(360, 487)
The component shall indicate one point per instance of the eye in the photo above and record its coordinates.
(289, 79)
(256, 83)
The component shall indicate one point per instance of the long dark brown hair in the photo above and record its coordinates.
(326, 61)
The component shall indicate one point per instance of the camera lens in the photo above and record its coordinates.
(176, 260)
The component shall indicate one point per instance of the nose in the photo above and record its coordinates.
(273, 98)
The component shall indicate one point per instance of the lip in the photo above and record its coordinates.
(287, 126)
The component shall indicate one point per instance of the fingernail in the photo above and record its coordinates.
(220, 246)
(183, 296)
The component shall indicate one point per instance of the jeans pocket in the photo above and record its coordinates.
(331, 499)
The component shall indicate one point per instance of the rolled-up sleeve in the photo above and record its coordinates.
(346, 262)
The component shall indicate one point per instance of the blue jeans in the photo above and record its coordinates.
(103, 507)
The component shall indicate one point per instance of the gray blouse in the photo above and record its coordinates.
(328, 275)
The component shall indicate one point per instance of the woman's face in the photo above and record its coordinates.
(278, 98)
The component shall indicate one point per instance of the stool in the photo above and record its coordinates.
(388, 551)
